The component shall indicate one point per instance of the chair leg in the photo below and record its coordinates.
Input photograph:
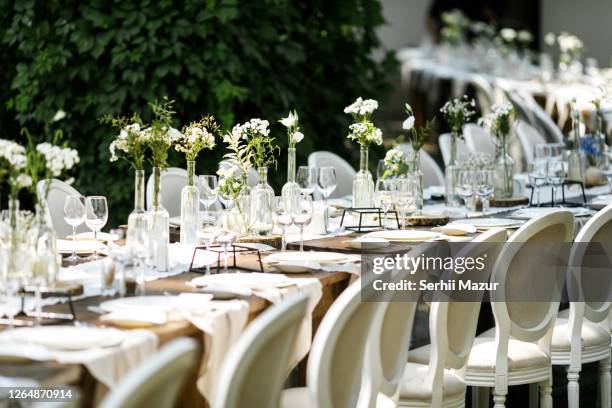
(573, 388)
(604, 382)
(533, 395)
(480, 397)
(499, 401)
(476, 397)
(546, 394)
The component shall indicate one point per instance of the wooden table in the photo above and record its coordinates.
(54, 374)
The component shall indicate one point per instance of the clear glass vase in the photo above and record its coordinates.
(451, 197)
(236, 216)
(137, 220)
(190, 196)
(261, 214)
(576, 159)
(417, 174)
(363, 185)
(291, 190)
(504, 172)
(158, 223)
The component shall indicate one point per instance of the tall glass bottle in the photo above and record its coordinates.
(137, 220)
(158, 222)
(450, 175)
(363, 185)
(417, 173)
(291, 190)
(576, 160)
(190, 196)
(504, 171)
(261, 219)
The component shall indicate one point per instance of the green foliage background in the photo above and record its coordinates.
(235, 59)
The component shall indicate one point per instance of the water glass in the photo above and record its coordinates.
(208, 233)
(226, 238)
(283, 218)
(381, 168)
(302, 216)
(327, 181)
(96, 215)
(383, 197)
(74, 215)
(404, 196)
(484, 186)
(307, 179)
(465, 186)
(536, 171)
(556, 170)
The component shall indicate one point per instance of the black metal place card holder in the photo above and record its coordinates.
(360, 227)
(235, 249)
(46, 318)
(563, 202)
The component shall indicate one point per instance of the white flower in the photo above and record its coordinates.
(13, 153)
(550, 39)
(59, 115)
(408, 123)
(525, 36)
(508, 34)
(569, 43)
(361, 107)
(23, 181)
(57, 159)
(298, 137)
(290, 121)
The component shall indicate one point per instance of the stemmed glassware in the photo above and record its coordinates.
(465, 186)
(327, 181)
(404, 196)
(283, 218)
(96, 215)
(74, 215)
(302, 216)
(383, 197)
(226, 238)
(208, 191)
(536, 171)
(306, 179)
(484, 186)
(380, 170)
(208, 233)
(555, 175)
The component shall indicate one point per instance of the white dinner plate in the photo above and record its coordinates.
(83, 246)
(404, 235)
(65, 337)
(367, 243)
(248, 280)
(157, 303)
(308, 256)
(535, 212)
(485, 223)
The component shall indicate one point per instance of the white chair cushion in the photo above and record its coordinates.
(296, 398)
(521, 354)
(420, 355)
(413, 387)
(592, 335)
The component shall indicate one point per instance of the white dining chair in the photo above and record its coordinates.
(434, 373)
(529, 138)
(256, 367)
(581, 334)
(518, 349)
(345, 173)
(432, 174)
(444, 142)
(156, 383)
(478, 140)
(545, 122)
(58, 191)
(335, 372)
(172, 181)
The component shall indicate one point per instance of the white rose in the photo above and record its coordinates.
(298, 137)
(59, 115)
(408, 123)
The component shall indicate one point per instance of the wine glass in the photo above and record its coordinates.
(283, 219)
(555, 175)
(383, 196)
(226, 238)
(208, 190)
(536, 171)
(306, 179)
(404, 190)
(327, 181)
(381, 168)
(484, 187)
(208, 233)
(74, 215)
(465, 186)
(96, 215)
(302, 216)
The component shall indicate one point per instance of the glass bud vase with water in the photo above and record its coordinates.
(576, 160)
(291, 189)
(137, 220)
(504, 171)
(363, 185)
(158, 222)
(190, 196)
(451, 197)
(415, 171)
(261, 214)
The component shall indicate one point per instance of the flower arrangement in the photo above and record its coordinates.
(454, 24)
(524, 38)
(197, 136)
(458, 112)
(129, 144)
(13, 162)
(363, 130)
(571, 47)
(160, 136)
(395, 164)
(499, 121)
(291, 122)
(230, 184)
(251, 142)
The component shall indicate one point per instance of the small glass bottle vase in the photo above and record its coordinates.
(363, 185)
(291, 190)
(261, 204)
(190, 196)
(451, 197)
(158, 222)
(504, 172)
(137, 220)
(45, 268)
(415, 171)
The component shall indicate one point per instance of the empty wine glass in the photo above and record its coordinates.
(484, 187)
(302, 216)
(208, 190)
(404, 190)
(226, 238)
(327, 181)
(74, 215)
(381, 168)
(306, 179)
(536, 171)
(383, 196)
(283, 219)
(96, 215)
(465, 186)
(208, 233)
(555, 175)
